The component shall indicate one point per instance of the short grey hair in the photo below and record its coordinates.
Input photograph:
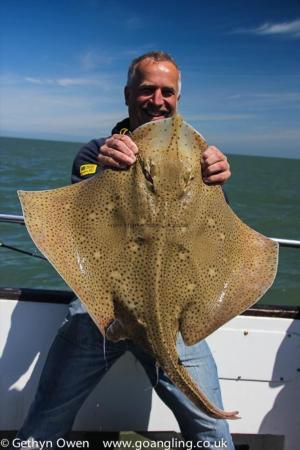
(156, 56)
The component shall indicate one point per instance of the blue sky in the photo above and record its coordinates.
(64, 65)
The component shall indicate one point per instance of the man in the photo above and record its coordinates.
(73, 367)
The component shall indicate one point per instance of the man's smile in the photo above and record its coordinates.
(156, 115)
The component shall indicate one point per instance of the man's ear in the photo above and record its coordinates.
(126, 95)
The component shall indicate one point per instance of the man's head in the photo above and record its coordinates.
(153, 88)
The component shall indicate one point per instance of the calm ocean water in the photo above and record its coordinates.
(264, 192)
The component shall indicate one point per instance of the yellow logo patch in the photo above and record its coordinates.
(87, 169)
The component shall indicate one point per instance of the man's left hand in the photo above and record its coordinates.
(215, 167)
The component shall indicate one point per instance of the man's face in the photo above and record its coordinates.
(153, 94)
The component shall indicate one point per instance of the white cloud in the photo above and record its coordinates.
(79, 106)
(68, 81)
(34, 80)
(289, 29)
(281, 96)
(217, 117)
(266, 100)
(111, 82)
(65, 82)
(33, 110)
(96, 58)
(88, 61)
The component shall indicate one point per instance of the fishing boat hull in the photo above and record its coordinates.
(256, 355)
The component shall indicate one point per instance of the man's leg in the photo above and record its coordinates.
(74, 366)
(194, 424)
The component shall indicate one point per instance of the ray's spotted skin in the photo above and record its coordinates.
(168, 254)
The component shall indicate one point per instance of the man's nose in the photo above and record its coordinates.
(158, 97)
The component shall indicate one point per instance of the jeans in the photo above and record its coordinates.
(76, 363)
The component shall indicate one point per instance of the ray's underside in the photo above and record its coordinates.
(155, 248)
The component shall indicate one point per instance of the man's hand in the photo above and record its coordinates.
(215, 167)
(118, 152)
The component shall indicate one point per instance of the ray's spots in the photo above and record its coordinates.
(146, 257)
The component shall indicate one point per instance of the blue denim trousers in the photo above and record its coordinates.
(76, 363)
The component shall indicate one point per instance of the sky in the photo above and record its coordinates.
(64, 65)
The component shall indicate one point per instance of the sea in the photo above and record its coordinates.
(263, 191)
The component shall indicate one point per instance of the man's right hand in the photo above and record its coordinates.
(118, 152)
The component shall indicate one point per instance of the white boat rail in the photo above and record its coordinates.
(12, 218)
(286, 242)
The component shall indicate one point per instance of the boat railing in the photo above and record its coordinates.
(12, 218)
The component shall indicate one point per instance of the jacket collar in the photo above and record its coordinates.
(123, 124)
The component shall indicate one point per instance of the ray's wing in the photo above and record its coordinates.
(233, 266)
(76, 229)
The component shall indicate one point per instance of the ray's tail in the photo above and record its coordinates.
(162, 340)
(164, 347)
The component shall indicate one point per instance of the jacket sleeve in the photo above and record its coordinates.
(85, 164)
